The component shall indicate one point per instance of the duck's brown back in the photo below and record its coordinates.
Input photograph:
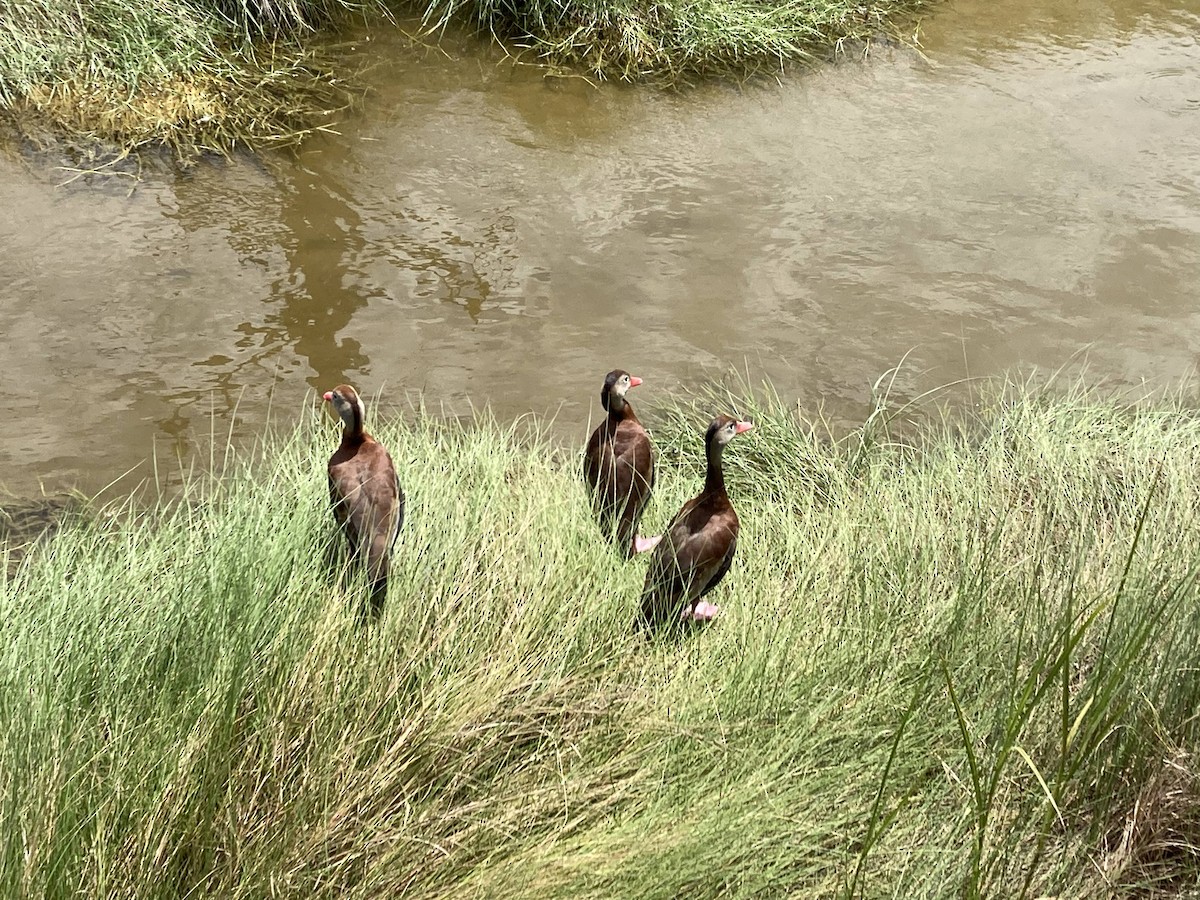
(619, 470)
(367, 500)
(692, 558)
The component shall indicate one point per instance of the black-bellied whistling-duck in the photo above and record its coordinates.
(698, 545)
(364, 492)
(618, 465)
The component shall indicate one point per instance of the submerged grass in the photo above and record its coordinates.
(961, 664)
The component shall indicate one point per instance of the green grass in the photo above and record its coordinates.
(964, 663)
(681, 41)
(191, 74)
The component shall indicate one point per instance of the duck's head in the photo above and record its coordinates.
(616, 384)
(348, 405)
(721, 431)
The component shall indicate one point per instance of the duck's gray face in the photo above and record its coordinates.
(347, 404)
(616, 384)
(624, 383)
(725, 428)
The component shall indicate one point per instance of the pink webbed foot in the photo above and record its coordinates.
(642, 544)
(703, 611)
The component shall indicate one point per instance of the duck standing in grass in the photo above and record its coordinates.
(697, 547)
(364, 492)
(618, 466)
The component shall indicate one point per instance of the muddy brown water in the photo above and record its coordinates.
(1023, 193)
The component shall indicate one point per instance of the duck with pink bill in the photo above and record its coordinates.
(364, 492)
(697, 548)
(618, 466)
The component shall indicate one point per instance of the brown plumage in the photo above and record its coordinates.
(618, 464)
(697, 547)
(364, 492)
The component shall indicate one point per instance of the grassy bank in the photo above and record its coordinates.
(214, 74)
(191, 74)
(961, 664)
(680, 42)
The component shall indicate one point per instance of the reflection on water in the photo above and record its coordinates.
(1027, 190)
(315, 301)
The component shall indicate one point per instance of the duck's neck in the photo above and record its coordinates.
(619, 409)
(714, 478)
(353, 432)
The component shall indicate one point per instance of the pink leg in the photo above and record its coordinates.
(703, 611)
(642, 544)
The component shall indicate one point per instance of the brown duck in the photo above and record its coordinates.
(618, 466)
(697, 547)
(364, 492)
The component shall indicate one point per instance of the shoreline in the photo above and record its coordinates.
(187, 76)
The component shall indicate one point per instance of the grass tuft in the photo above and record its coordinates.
(958, 662)
(191, 74)
(677, 43)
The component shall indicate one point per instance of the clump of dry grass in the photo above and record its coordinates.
(1155, 845)
(257, 108)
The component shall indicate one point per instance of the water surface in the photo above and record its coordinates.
(1023, 191)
